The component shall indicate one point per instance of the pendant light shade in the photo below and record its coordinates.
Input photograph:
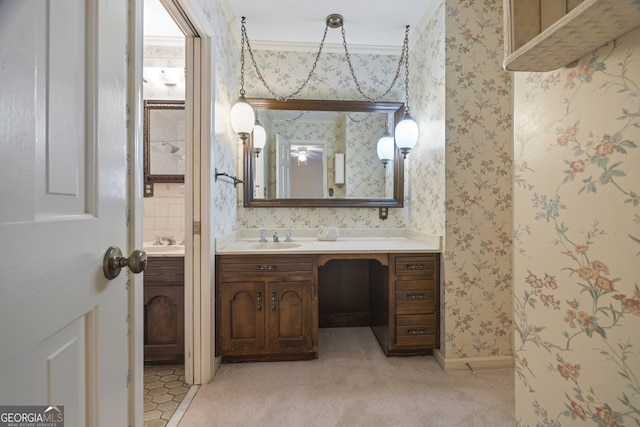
(406, 134)
(386, 148)
(259, 138)
(243, 118)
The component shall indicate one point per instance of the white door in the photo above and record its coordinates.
(283, 165)
(259, 190)
(63, 325)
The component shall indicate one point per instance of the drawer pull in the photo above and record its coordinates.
(259, 297)
(266, 267)
(416, 266)
(417, 331)
(274, 304)
(416, 296)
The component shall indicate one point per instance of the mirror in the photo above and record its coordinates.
(164, 141)
(337, 140)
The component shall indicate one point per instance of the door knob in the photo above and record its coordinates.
(114, 261)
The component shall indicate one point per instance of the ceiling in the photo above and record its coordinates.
(367, 23)
(158, 25)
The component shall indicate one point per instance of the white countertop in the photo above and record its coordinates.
(350, 241)
(153, 250)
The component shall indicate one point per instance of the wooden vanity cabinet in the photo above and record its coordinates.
(164, 310)
(414, 304)
(267, 307)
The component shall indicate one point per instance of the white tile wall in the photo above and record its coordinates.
(164, 213)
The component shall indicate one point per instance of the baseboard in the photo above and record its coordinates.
(217, 361)
(473, 363)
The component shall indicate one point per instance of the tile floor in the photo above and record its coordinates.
(164, 390)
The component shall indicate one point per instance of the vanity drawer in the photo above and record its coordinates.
(423, 266)
(168, 271)
(416, 319)
(416, 330)
(415, 296)
(266, 264)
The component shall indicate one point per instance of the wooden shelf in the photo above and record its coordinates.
(583, 29)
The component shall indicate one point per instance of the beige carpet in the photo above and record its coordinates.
(352, 383)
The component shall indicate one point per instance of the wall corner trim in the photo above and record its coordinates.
(477, 363)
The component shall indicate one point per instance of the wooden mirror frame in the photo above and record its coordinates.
(150, 105)
(395, 108)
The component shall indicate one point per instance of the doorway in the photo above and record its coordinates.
(169, 146)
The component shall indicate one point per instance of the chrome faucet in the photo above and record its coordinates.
(170, 240)
(288, 236)
(275, 237)
(263, 235)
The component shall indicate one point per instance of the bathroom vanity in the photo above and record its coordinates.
(164, 308)
(272, 299)
(267, 307)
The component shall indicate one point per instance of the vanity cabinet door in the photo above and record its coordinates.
(290, 315)
(164, 310)
(242, 316)
(266, 307)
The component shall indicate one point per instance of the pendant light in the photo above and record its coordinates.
(242, 114)
(386, 147)
(259, 137)
(406, 132)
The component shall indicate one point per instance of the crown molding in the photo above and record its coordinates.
(164, 41)
(328, 47)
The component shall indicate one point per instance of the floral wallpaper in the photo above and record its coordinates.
(477, 294)
(225, 149)
(365, 174)
(425, 166)
(577, 240)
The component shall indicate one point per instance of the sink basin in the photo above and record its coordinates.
(271, 245)
(164, 249)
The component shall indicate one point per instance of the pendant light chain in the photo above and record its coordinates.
(304, 84)
(405, 49)
(242, 40)
(403, 57)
